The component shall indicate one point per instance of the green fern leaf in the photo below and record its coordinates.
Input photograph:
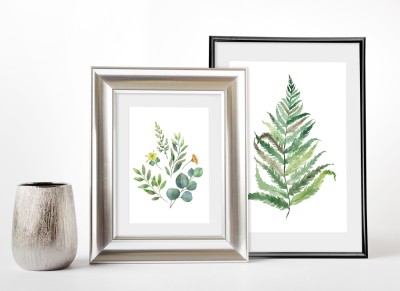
(286, 155)
(282, 112)
(268, 188)
(297, 117)
(296, 110)
(276, 123)
(270, 200)
(296, 164)
(280, 119)
(313, 188)
(305, 180)
(274, 132)
(301, 150)
(295, 128)
(271, 162)
(275, 177)
(299, 173)
(273, 141)
(284, 107)
(269, 149)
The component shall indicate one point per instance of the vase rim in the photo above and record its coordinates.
(43, 184)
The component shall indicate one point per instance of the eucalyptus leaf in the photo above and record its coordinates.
(155, 198)
(136, 171)
(192, 186)
(139, 179)
(148, 175)
(143, 186)
(187, 196)
(182, 180)
(143, 170)
(198, 172)
(173, 193)
(191, 172)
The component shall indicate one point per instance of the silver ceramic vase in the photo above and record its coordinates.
(44, 235)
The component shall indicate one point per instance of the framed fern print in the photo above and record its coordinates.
(167, 184)
(306, 143)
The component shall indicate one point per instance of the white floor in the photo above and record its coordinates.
(380, 272)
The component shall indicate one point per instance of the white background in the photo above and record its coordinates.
(46, 50)
(192, 123)
(322, 89)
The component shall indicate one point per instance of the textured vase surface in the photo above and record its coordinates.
(44, 235)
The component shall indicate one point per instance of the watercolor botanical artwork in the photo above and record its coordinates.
(177, 175)
(168, 170)
(322, 88)
(288, 155)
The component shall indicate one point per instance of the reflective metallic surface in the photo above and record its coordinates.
(105, 246)
(44, 235)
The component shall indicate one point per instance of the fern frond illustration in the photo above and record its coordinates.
(287, 155)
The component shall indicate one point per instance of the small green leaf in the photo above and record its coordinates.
(167, 171)
(198, 172)
(270, 200)
(182, 180)
(139, 179)
(143, 186)
(157, 160)
(187, 196)
(177, 167)
(191, 172)
(163, 185)
(159, 179)
(143, 170)
(148, 175)
(148, 191)
(192, 186)
(152, 163)
(155, 198)
(153, 181)
(184, 148)
(173, 193)
(136, 171)
(181, 156)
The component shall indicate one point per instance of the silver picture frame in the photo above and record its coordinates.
(106, 246)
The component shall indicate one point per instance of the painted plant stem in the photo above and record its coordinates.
(154, 184)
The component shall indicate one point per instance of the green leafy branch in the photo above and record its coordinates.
(185, 185)
(177, 154)
(286, 154)
(162, 143)
(152, 185)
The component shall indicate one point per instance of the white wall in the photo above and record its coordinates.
(47, 48)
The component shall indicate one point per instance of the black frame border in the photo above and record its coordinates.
(361, 42)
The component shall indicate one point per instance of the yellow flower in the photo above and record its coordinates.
(195, 159)
(152, 156)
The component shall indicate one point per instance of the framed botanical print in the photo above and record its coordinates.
(168, 165)
(306, 143)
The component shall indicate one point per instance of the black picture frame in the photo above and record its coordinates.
(361, 42)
